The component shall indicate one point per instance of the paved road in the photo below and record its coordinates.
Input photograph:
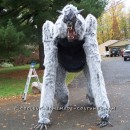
(117, 77)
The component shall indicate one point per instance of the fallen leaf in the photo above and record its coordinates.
(77, 124)
(8, 109)
(58, 123)
(34, 116)
(24, 113)
(82, 126)
(122, 121)
(24, 118)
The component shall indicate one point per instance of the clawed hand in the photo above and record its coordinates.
(41, 126)
(104, 122)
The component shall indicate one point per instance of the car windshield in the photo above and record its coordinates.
(114, 49)
(128, 47)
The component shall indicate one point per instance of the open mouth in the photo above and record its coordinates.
(71, 34)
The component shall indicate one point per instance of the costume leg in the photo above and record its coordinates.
(61, 90)
(94, 64)
(48, 88)
(89, 88)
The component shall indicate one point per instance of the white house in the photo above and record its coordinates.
(105, 46)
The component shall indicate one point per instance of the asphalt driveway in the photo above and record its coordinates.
(16, 115)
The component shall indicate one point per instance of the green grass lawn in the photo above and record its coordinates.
(15, 68)
(14, 87)
(11, 87)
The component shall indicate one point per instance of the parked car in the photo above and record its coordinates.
(122, 52)
(115, 52)
(127, 53)
(107, 53)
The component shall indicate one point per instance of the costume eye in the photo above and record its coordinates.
(74, 19)
(65, 19)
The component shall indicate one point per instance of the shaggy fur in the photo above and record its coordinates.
(55, 73)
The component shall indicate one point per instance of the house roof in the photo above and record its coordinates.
(120, 43)
(108, 43)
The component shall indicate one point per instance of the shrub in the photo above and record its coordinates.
(6, 65)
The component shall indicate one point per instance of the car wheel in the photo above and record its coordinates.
(125, 59)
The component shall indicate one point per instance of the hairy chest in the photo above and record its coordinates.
(71, 55)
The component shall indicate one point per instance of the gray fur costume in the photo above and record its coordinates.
(56, 38)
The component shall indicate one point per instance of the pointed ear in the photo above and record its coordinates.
(79, 11)
(59, 11)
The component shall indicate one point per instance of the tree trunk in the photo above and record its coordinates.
(41, 48)
(41, 56)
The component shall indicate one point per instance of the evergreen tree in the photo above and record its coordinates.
(29, 15)
(11, 41)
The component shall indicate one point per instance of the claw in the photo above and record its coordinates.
(104, 122)
(45, 127)
(36, 127)
(41, 126)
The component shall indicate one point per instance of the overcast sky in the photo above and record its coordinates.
(127, 4)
